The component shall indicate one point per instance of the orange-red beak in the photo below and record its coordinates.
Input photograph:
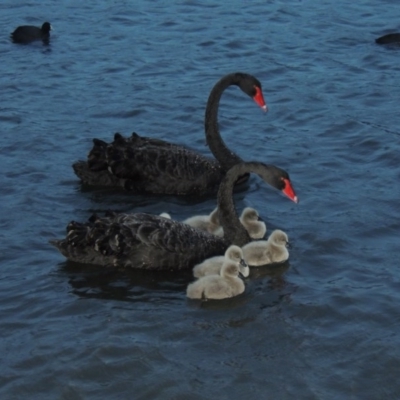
(259, 99)
(289, 191)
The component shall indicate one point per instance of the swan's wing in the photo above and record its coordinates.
(169, 235)
(148, 165)
(161, 168)
(137, 240)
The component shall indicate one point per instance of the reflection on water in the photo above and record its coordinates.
(139, 285)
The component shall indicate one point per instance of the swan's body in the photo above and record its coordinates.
(144, 165)
(226, 284)
(250, 220)
(208, 223)
(154, 242)
(390, 38)
(262, 252)
(26, 33)
(213, 265)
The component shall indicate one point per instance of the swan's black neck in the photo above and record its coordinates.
(225, 157)
(234, 231)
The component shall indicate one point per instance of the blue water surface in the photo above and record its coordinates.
(323, 326)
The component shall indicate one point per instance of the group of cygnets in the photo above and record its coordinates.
(219, 276)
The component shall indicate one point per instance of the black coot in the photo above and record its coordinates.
(29, 33)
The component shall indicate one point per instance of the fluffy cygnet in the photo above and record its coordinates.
(208, 223)
(262, 252)
(218, 287)
(213, 265)
(250, 220)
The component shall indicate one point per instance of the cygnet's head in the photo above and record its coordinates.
(249, 214)
(235, 254)
(214, 217)
(279, 237)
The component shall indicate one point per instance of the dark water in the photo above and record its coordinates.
(325, 326)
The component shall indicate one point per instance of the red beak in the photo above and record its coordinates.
(259, 98)
(289, 191)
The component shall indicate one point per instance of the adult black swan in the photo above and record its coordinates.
(27, 33)
(153, 242)
(145, 165)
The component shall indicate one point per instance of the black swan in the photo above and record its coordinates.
(390, 38)
(222, 286)
(145, 165)
(28, 33)
(152, 242)
(213, 265)
(262, 252)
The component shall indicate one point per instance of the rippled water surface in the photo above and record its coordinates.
(324, 326)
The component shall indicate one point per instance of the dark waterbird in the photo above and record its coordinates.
(390, 38)
(28, 33)
(153, 242)
(145, 165)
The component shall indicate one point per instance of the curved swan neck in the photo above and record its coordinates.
(234, 231)
(226, 157)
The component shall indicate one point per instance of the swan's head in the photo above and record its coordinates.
(280, 238)
(252, 87)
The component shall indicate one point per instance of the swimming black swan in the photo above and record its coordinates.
(390, 38)
(153, 242)
(145, 165)
(222, 286)
(28, 33)
(213, 265)
(262, 252)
